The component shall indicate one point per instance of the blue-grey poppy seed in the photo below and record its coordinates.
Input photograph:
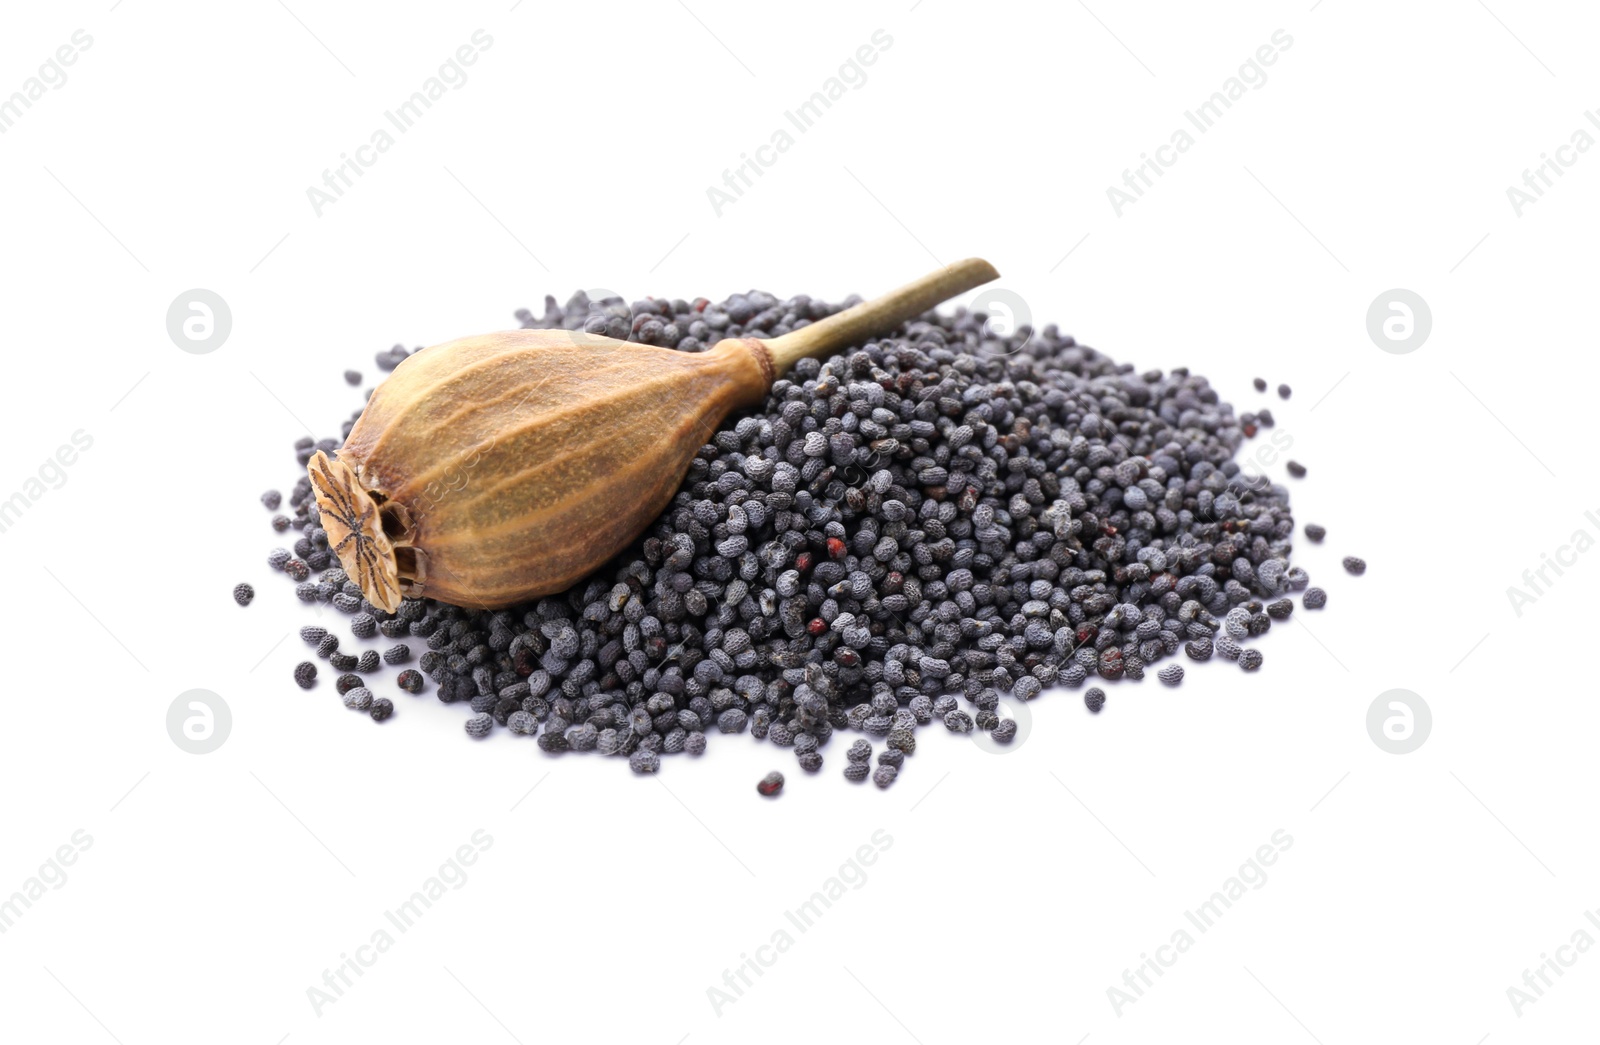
(958, 722)
(937, 513)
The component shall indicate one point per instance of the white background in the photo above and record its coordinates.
(1017, 889)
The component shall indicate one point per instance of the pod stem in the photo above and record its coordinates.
(878, 316)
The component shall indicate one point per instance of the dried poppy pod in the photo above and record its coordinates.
(499, 468)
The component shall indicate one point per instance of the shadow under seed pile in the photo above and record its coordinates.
(916, 524)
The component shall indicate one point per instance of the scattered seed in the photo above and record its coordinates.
(1094, 698)
(243, 593)
(1355, 566)
(305, 673)
(1314, 599)
(1315, 533)
(770, 784)
(387, 361)
(1296, 469)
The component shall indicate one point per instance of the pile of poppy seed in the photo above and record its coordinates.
(905, 533)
